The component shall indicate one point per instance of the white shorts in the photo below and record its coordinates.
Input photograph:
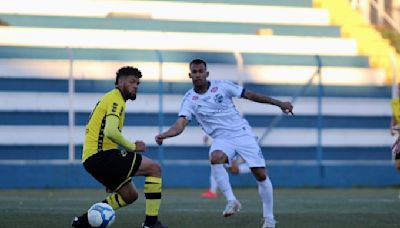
(246, 146)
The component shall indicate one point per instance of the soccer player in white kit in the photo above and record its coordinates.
(210, 102)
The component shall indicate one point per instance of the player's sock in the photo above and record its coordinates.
(213, 184)
(115, 201)
(266, 193)
(152, 191)
(222, 178)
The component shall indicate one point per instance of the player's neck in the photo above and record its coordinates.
(122, 94)
(203, 88)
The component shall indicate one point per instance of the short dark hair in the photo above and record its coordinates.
(198, 61)
(127, 70)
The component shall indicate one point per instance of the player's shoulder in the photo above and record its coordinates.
(223, 82)
(225, 85)
(190, 93)
(113, 95)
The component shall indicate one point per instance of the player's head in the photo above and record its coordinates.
(128, 80)
(198, 72)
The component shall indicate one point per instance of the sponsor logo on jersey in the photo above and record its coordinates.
(218, 98)
(214, 89)
(195, 98)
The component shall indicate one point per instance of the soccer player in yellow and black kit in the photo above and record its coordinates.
(112, 167)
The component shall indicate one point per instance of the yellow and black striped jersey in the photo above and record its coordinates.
(112, 103)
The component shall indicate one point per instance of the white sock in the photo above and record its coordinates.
(213, 184)
(266, 193)
(222, 178)
(243, 168)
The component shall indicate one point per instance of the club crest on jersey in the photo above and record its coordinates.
(218, 98)
(195, 98)
(214, 89)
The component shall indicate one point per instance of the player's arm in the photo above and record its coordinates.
(286, 107)
(111, 131)
(176, 129)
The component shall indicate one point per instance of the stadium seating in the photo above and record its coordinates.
(274, 54)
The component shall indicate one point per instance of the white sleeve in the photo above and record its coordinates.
(186, 109)
(232, 89)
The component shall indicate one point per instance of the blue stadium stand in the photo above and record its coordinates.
(165, 25)
(27, 163)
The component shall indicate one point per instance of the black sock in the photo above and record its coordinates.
(150, 220)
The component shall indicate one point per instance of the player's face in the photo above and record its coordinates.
(130, 87)
(198, 74)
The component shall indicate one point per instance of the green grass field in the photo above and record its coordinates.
(183, 208)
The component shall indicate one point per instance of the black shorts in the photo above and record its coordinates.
(113, 168)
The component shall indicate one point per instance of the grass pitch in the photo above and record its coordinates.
(183, 208)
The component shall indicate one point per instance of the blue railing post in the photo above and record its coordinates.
(160, 104)
(319, 122)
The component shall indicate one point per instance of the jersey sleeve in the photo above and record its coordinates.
(115, 108)
(186, 109)
(396, 109)
(232, 89)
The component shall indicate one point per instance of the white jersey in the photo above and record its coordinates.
(215, 110)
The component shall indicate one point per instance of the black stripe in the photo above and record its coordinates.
(116, 199)
(242, 93)
(101, 135)
(113, 115)
(153, 195)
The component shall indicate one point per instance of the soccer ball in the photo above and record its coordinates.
(101, 215)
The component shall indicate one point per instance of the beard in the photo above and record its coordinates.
(128, 95)
(132, 97)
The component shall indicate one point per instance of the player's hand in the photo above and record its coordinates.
(140, 146)
(159, 139)
(287, 107)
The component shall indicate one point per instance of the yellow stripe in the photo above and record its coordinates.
(132, 165)
(153, 180)
(124, 182)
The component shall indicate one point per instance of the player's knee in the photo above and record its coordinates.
(218, 158)
(261, 177)
(131, 197)
(259, 174)
(155, 170)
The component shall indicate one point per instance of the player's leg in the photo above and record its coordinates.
(217, 159)
(151, 170)
(110, 168)
(265, 190)
(250, 151)
(222, 152)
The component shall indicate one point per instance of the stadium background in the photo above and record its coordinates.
(58, 57)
